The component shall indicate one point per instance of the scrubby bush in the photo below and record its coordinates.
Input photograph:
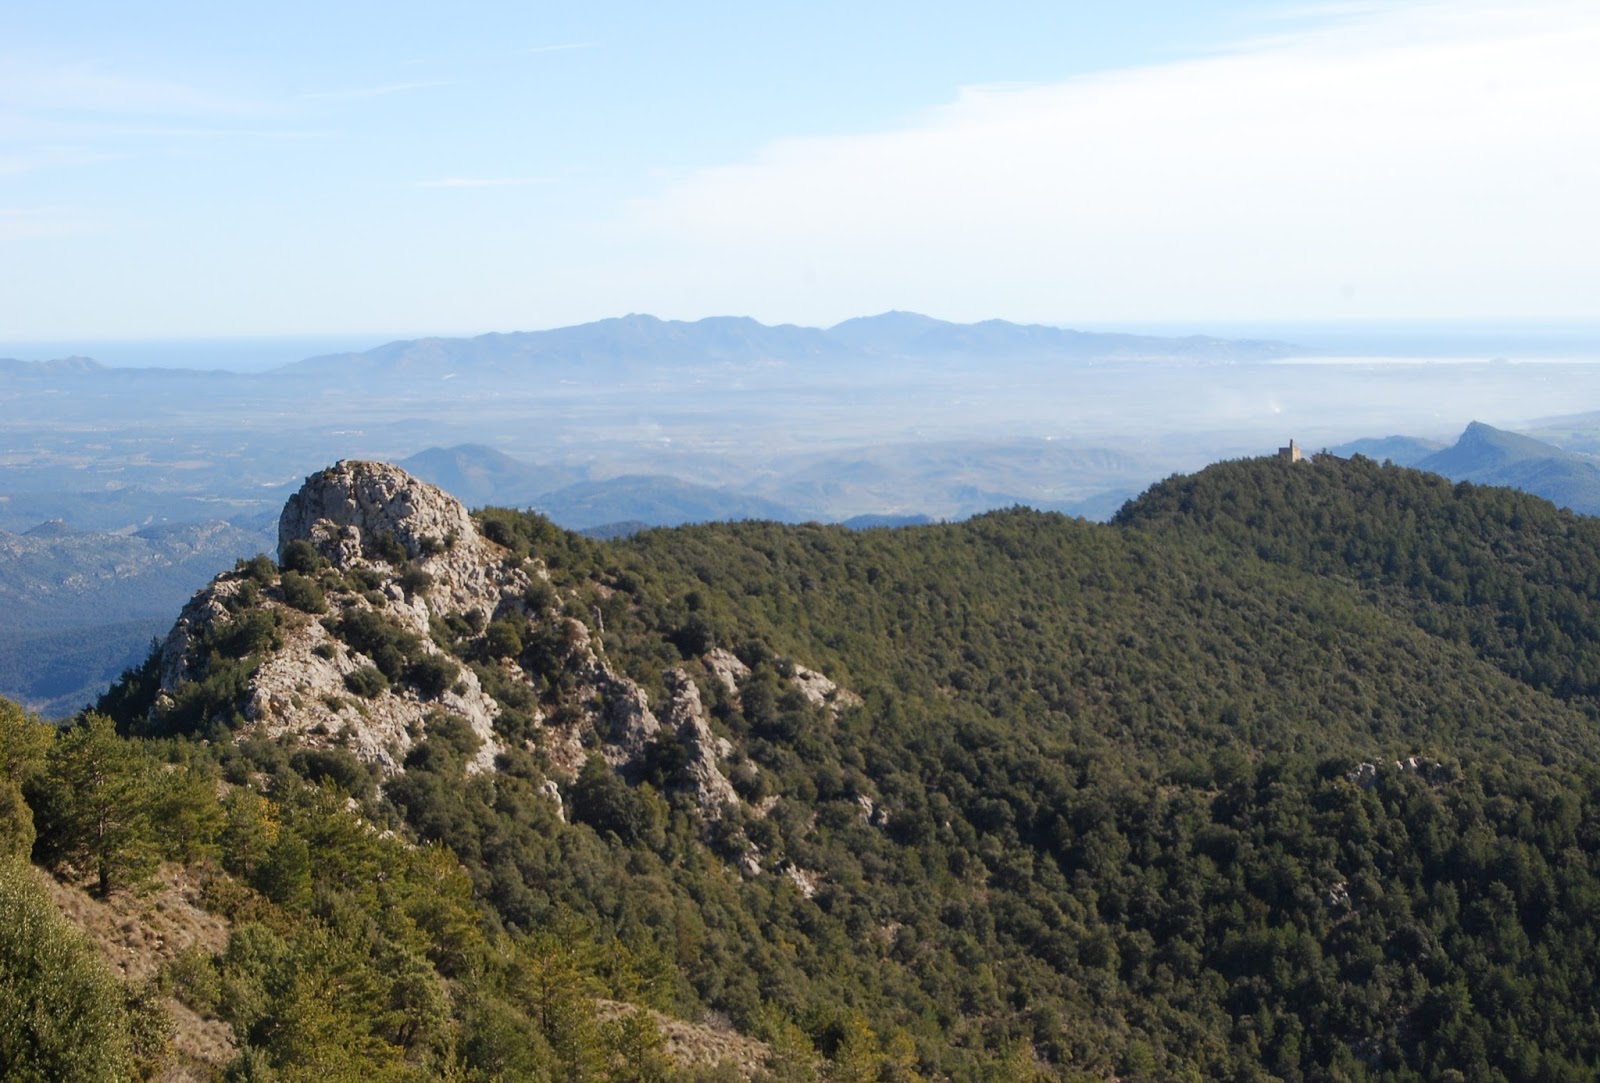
(388, 548)
(248, 633)
(338, 766)
(61, 1011)
(432, 675)
(193, 977)
(258, 569)
(389, 646)
(301, 556)
(303, 593)
(413, 580)
(504, 638)
(366, 682)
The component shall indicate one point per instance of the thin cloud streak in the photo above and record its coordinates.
(362, 93)
(478, 182)
(34, 223)
(37, 158)
(564, 47)
(33, 85)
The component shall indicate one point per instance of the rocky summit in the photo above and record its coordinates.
(355, 643)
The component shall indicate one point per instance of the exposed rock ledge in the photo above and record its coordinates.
(356, 514)
(408, 553)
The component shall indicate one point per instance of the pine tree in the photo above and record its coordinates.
(94, 804)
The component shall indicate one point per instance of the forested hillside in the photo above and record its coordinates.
(1286, 774)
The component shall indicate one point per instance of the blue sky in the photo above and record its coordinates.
(171, 170)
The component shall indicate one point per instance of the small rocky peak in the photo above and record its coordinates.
(371, 511)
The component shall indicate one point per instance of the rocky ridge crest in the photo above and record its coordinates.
(376, 624)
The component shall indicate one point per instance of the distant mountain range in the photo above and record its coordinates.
(1485, 455)
(952, 479)
(1400, 450)
(636, 340)
(478, 475)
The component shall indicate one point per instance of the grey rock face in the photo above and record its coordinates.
(684, 713)
(408, 555)
(348, 509)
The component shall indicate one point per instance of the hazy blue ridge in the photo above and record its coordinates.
(1488, 456)
(645, 340)
(655, 499)
(1400, 450)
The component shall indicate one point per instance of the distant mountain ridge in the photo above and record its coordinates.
(10, 366)
(638, 338)
(1400, 450)
(866, 486)
(1485, 455)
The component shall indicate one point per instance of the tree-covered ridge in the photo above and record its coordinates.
(1137, 801)
(1503, 572)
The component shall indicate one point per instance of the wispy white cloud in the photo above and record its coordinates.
(32, 223)
(381, 91)
(32, 84)
(1418, 158)
(57, 113)
(560, 48)
(27, 160)
(478, 182)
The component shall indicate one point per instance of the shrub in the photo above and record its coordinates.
(366, 682)
(606, 803)
(389, 548)
(504, 638)
(540, 597)
(194, 979)
(388, 646)
(695, 636)
(432, 675)
(414, 581)
(362, 579)
(336, 765)
(248, 633)
(303, 593)
(259, 569)
(61, 1013)
(301, 556)
(215, 698)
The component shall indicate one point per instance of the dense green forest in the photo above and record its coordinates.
(1288, 773)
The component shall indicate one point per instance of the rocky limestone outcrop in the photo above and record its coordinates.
(368, 514)
(404, 558)
(348, 509)
(621, 716)
(359, 516)
(728, 670)
(819, 691)
(705, 750)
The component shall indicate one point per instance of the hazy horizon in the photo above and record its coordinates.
(1576, 339)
